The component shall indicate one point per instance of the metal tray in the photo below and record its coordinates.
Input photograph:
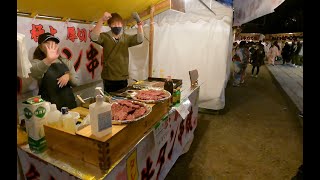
(149, 109)
(133, 95)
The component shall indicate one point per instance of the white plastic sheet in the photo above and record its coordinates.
(23, 63)
(247, 10)
(197, 39)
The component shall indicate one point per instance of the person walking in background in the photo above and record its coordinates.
(279, 56)
(266, 49)
(252, 48)
(257, 59)
(296, 57)
(234, 48)
(293, 51)
(245, 61)
(240, 60)
(301, 55)
(286, 53)
(273, 53)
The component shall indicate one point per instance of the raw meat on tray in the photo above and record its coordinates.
(151, 95)
(127, 110)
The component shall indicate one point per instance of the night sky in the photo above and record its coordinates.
(287, 18)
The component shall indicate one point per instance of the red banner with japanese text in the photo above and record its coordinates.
(155, 155)
(74, 45)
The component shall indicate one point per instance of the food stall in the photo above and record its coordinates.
(146, 148)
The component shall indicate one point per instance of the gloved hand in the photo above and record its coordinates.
(136, 17)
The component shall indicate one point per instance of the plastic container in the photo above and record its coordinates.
(100, 117)
(35, 113)
(53, 117)
(75, 116)
(68, 122)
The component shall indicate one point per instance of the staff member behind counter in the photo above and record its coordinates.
(115, 45)
(55, 75)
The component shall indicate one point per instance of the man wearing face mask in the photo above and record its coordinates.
(115, 45)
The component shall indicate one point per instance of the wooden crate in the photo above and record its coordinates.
(103, 152)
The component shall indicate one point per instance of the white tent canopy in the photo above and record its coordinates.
(197, 39)
(248, 10)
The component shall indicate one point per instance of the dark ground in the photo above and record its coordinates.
(258, 138)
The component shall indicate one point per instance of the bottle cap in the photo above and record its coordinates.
(53, 107)
(64, 110)
(99, 98)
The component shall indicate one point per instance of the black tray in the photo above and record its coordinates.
(176, 82)
(122, 92)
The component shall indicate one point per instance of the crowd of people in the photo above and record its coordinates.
(257, 53)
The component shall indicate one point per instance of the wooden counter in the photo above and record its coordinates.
(105, 151)
(155, 151)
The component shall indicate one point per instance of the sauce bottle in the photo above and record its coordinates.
(100, 117)
(67, 120)
(168, 85)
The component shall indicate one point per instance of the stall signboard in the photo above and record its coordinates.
(249, 37)
(284, 36)
(75, 44)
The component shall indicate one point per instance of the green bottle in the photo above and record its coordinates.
(178, 95)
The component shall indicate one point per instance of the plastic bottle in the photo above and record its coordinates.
(178, 95)
(67, 120)
(53, 117)
(168, 85)
(174, 97)
(100, 117)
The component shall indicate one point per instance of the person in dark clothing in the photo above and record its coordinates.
(286, 53)
(56, 75)
(257, 59)
(293, 50)
(115, 43)
(296, 57)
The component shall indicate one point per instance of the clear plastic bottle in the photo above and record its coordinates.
(100, 117)
(67, 120)
(53, 117)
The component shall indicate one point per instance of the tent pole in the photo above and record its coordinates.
(151, 41)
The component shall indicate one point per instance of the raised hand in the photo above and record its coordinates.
(52, 51)
(106, 16)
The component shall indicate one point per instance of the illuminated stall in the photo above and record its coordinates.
(147, 147)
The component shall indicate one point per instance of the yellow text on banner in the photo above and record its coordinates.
(132, 168)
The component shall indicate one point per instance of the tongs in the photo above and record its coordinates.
(107, 96)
